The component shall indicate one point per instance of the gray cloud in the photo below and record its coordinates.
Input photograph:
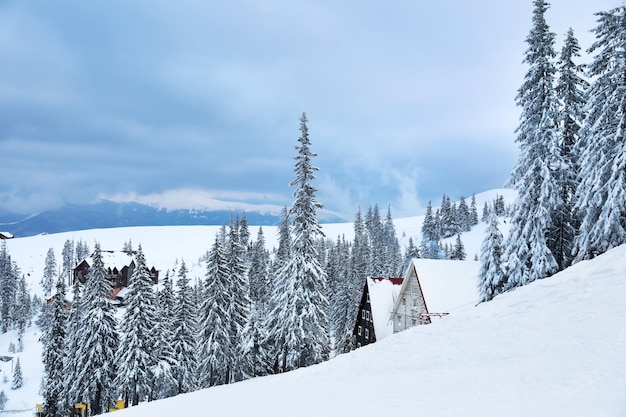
(103, 98)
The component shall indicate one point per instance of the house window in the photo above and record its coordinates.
(360, 329)
(367, 333)
(367, 315)
(363, 314)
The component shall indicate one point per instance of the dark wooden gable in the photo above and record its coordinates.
(363, 332)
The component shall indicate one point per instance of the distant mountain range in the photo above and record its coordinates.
(108, 214)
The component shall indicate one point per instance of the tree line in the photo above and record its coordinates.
(571, 171)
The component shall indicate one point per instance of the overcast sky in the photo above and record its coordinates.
(406, 100)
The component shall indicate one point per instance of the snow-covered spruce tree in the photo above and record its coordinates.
(136, 356)
(393, 257)
(359, 262)
(601, 194)
(72, 345)
(81, 251)
(486, 213)
(165, 384)
(301, 310)
(53, 354)
(49, 273)
(184, 341)
(410, 253)
(374, 227)
(8, 288)
(491, 278)
(570, 92)
(21, 312)
(473, 219)
(458, 251)
(464, 216)
(527, 252)
(18, 378)
(259, 272)
(97, 349)
(257, 360)
(346, 301)
(67, 256)
(215, 345)
(239, 293)
(431, 233)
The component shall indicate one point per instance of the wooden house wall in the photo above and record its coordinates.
(364, 328)
(410, 305)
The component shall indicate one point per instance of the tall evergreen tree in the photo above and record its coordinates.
(184, 341)
(392, 253)
(165, 383)
(239, 294)
(284, 238)
(473, 212)
(342, 296)
(259, 271)
(18, 377)
(601, 194)
(136, 356)
(491, 278)
(570, 91)
(53, 341)
(9, 274)
(458, 251)
(97, 350)
(257, 360)
(374, 227)
(528, 255)
(361, 249)
(303, 314)
(464, 216)
(49, 273)
(215, 344)
(67, 256)
(72, 345)
(410, 253)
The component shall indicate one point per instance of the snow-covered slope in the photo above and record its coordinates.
(553, 348)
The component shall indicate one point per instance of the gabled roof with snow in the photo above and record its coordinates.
(113, 259)
(446, 285)
(383, 293)
(6, 235)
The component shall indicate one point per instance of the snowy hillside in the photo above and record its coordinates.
(553, 348)
(163, 246)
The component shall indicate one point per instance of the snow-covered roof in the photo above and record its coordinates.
(446, 284)
(113, 259)
(383, 293)
(6, 235)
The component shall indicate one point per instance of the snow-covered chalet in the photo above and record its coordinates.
(430, 289)
(119, 267)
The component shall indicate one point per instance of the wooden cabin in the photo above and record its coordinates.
(432, 288)
(119, 266)
(429, 290)
(372, 321)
